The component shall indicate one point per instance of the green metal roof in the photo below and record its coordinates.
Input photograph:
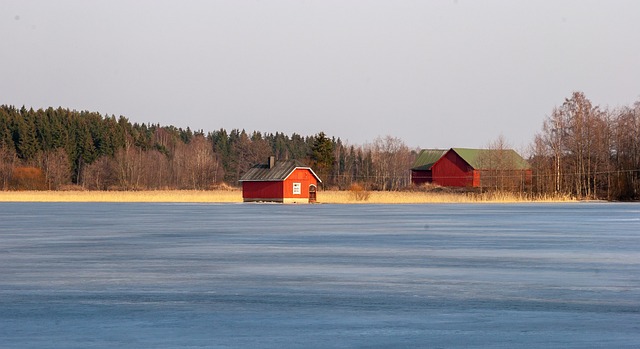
(485, 159)
(427, 158)
(279, 172)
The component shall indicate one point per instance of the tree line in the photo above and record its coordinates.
(582, 150)
(53, 149)
(588, 151)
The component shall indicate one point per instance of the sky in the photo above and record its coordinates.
(435, 74)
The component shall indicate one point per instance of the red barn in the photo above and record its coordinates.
(287, 181)
(462, 167)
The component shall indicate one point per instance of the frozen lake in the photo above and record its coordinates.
(105, 275)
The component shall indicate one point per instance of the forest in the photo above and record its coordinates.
(55, 149)
(582, 150)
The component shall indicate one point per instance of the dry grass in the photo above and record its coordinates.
(402, 197)
(224, 196)
(124, 196)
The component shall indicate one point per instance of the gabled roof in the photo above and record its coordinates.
(279, 172)
(485, 159)
(427, 158)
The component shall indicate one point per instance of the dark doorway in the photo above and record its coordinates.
(312, 193)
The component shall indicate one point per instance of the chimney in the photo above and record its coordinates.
(272, 161)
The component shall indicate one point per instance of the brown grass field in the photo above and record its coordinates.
(231, 196)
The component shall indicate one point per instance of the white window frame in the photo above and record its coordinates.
(297, 188)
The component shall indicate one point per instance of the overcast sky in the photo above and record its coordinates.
(432, 73)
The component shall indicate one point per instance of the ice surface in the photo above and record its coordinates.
(317, 276)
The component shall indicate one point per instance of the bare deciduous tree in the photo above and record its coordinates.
(391, 160)
(56, 167)
(497, 166)
(8, 159)
(129, 166)
(102, 174)
(578, 136)
(626, 152)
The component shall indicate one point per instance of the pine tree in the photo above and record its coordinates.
(322, 155)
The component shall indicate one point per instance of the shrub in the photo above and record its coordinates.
(27, 178)
(358, 193)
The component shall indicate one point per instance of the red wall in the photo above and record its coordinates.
(452, 171)
(302, 176)
(262, 190)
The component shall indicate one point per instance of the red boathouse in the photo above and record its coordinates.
(287, 181)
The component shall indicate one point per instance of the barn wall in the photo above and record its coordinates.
(261, 191)
(476, 178)
(452, 171)
(305, 178)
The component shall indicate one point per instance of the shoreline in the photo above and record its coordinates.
(235, 196)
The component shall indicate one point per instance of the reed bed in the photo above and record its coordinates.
(235, 196)
(404, 197)
(123, 196)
